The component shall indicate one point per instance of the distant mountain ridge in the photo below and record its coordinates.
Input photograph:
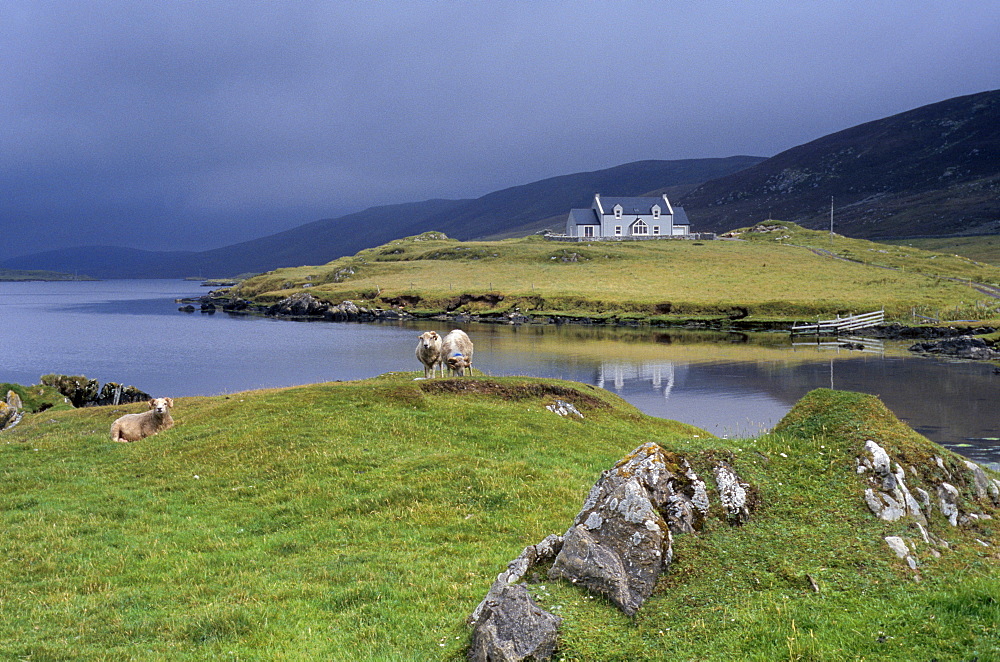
(324, 240)
(931, 171)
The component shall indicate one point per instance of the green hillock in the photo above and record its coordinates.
(367, 519)
(772, 272)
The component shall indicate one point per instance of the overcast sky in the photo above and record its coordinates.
(195, 124)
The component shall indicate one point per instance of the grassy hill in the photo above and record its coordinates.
(981, 248)
(787, 273)
(929, 171)
(365, 520)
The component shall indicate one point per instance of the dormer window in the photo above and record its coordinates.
(656, 211)
(618, 211)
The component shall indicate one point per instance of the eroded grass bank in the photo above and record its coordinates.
(365, 520)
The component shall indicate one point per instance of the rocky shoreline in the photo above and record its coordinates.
(943, 340)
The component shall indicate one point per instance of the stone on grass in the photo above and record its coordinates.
(621, 539)
(513, 628)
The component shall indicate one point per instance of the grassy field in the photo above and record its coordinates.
(981, 248)
(790, 274)
(365, 520)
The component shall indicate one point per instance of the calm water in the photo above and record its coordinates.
(728, 384)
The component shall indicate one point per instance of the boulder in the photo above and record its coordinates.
(9, 416)
(346, 311)
(621, 540)
(299, 305)
(513, 628)
(113, 393)
(531, 556)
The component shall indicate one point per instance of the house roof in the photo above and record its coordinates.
(680, 216)
(634, 205)
(583, 217)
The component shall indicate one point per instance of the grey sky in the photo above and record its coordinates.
(189, 125)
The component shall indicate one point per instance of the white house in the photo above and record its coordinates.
(637, 217)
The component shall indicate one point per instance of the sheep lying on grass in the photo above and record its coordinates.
(456, 352)
(133, 427)
(429, 353)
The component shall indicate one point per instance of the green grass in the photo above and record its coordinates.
(365, 520)
(981, 248)
(776, 276)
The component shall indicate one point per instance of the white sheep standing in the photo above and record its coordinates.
(456, 352)
(133, 427)
(429, 353)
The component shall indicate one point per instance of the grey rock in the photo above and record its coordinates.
(884, 506)
(963, 347)
(621, 540)
(517, 569)
(299, 304)
(948, 498)
(732, 493)
(514, 628)
(564, 409)
(888, 497)
(9, 416)
(979, 480)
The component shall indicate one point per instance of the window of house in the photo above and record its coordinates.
(588, 231)
(618, 211)
(618, 230)
(656, 211)
(640, 227)
(656, 229)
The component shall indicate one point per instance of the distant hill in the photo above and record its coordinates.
(19, 275)
(517, 210)
(521, 210)
(931, 171)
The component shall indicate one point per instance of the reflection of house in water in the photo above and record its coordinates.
(660, 375)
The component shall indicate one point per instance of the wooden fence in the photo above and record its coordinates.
(841, 324)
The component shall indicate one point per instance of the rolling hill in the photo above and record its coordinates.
(932, 171)
(519, 207)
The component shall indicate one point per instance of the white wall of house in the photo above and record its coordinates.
(601, 221)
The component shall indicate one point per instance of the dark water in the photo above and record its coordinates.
(729, 384)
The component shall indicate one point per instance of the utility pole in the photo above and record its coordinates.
(831, 218)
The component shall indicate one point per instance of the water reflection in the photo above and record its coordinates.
(732, 384)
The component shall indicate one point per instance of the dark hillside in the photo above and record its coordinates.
(520, 206)
(317, 242)
(934, 171)
(324, 240)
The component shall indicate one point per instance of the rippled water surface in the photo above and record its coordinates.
(728, 384)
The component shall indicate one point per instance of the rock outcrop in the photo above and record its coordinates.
(513, 628)
(620, 543)
(11, 410)
(960, 490)
(621, 540)
(962, 347)
(83, 392)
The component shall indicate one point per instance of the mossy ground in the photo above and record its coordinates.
(365, 520)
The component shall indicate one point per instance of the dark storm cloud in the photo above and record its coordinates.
(179, 125)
